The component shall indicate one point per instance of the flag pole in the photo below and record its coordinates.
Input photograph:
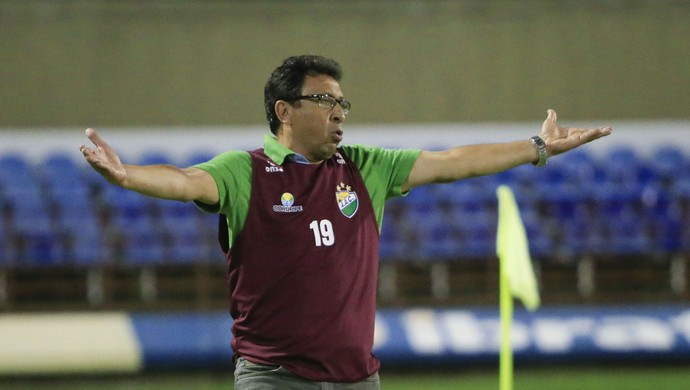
(506, 318)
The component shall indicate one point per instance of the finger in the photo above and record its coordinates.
(591, 135)
(95, 138)
(551, 115)
(86, 150)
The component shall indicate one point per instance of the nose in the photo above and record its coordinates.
(337, 114)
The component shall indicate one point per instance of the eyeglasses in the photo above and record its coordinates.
(326, 101)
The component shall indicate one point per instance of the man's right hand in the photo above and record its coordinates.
(160, 180)
(103, 159)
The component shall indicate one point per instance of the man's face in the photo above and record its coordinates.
(316, 131)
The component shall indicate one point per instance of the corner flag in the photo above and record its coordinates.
(512, 249)
(515, 274)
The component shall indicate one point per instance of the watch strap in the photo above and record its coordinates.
(540, 147)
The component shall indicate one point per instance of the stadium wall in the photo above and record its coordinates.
(106, 343)
(205, 62)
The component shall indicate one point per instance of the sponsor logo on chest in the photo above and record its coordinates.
(287, 204)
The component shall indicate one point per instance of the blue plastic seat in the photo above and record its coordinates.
(573, 240)
(394, 240)
(522, 177)
(87, 248)
(5, 253)
(126, 208)
(668, 161)
(539, 238)
(439, 237)
(628, 235)
(59, 162)
(612, 199)
(14, 163)
(155, 157)
(29, 213)
(175, 209)
(186, 242)
(42, 250)
(470, 196)
(478, 234)
(39, 245)
(421, 199)
(142, 245)
(390, 243)
(59, 173)
(667, 233)
(84, 236)
(32, 227)
(198, 157)
(70, 198)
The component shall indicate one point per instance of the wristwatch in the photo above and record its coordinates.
(540, 147)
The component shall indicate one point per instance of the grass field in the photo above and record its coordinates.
(557, 378)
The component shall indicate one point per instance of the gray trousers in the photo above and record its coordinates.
(252, 376)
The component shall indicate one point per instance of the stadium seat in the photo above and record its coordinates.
(141, 244)
(471, 195)
(439, 238)
(84, 236)
(626, 233)
(175, 209)
(667, 162)
(667, 233)
(185, 241)
(28, 214)
(5, 252)
(125, 208)
(478, 234)
(538, 235)
(198, 157)
(421, 199)
(60, 173)
(14, 163)
(40, 249)
(59, 162)
(393, 242)
(390, 243)
(623, 204)
(155, 157)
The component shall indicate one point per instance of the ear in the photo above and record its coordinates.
(283, 111)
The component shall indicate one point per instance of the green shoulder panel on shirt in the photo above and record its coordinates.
(232, 172)
(383, 171)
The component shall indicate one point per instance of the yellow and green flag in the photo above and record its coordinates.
(516, 275)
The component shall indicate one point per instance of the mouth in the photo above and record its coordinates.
(337, 136)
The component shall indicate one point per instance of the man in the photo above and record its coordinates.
(302, 217)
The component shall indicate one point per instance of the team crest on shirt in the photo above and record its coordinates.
(347, 200)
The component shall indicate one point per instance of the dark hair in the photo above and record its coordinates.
(286, 81)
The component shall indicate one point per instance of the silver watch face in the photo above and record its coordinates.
(540, 146)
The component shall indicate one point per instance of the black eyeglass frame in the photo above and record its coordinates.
(324, 98)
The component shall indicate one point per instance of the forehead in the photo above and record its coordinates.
(321, 84)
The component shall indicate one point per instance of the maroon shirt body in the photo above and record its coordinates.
(302, 272)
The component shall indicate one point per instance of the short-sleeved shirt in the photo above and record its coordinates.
(383, 170)
(302, 274)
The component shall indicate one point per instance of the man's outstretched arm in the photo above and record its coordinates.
(160, 181)
(478, 160)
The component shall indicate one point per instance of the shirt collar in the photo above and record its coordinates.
(279, 153)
